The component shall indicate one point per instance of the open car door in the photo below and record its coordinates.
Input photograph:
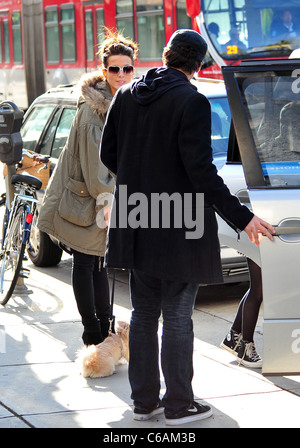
(265, 104)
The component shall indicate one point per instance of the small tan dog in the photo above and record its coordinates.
(100, 360)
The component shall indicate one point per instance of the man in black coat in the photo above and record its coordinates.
(157, 140)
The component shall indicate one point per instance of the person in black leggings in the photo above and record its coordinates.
(73, 209)
(91, 290)
(239, 341)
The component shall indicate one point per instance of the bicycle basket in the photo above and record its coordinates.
(32, 167)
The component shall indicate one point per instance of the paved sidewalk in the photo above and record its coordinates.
(41, 385)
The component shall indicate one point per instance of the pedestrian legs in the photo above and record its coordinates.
(90, 285)
(150, 296)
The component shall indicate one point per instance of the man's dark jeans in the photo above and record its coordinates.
(91, 290)
(150, 296)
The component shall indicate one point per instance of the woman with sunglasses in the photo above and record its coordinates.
(70, 210)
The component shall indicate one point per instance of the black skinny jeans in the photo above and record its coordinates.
(91, 290)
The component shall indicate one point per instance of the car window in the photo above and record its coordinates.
(33, 126)
(220, 126)
(57, 132)
(273, 110)
(62, 131)
(48, 137)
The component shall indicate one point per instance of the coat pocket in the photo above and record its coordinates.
(76, 204)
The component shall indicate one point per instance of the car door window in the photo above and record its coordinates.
(272, 105)
(46, 144)
(57, 132)
(62, 131)
(34, 125)
(220, 126)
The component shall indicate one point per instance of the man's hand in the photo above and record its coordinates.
(257, 226)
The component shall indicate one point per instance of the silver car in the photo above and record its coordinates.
(263, 169)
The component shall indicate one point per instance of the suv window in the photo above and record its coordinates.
(34, 125)
(57, 133)
(48, 138)
(62, 131)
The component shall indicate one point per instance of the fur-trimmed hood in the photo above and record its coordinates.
(95, 91)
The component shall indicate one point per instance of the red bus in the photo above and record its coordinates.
(73, 31)
(44, 43)
(245, 29)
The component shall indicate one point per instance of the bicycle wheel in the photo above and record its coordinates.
(12, 257)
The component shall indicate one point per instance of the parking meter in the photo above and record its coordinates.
(11, 143)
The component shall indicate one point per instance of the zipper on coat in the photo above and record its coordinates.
(233, 226)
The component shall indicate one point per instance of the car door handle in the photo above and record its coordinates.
(291, 230)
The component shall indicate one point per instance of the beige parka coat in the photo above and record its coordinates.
(69, 207)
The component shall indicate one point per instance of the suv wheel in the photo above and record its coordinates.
(42, 251)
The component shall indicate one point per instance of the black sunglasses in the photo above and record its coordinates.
(115, 69)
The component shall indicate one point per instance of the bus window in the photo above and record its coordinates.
(68, 33)
(6, 41)
(52, 35)
(150, 28)
(1, 46)
(89, 35)
(240, 29)
(17, 42)
(100, 25)
(183, 20)
(124, 17)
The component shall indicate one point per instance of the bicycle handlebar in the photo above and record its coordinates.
(36, 157)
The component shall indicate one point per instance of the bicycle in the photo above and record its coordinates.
(17, 225)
